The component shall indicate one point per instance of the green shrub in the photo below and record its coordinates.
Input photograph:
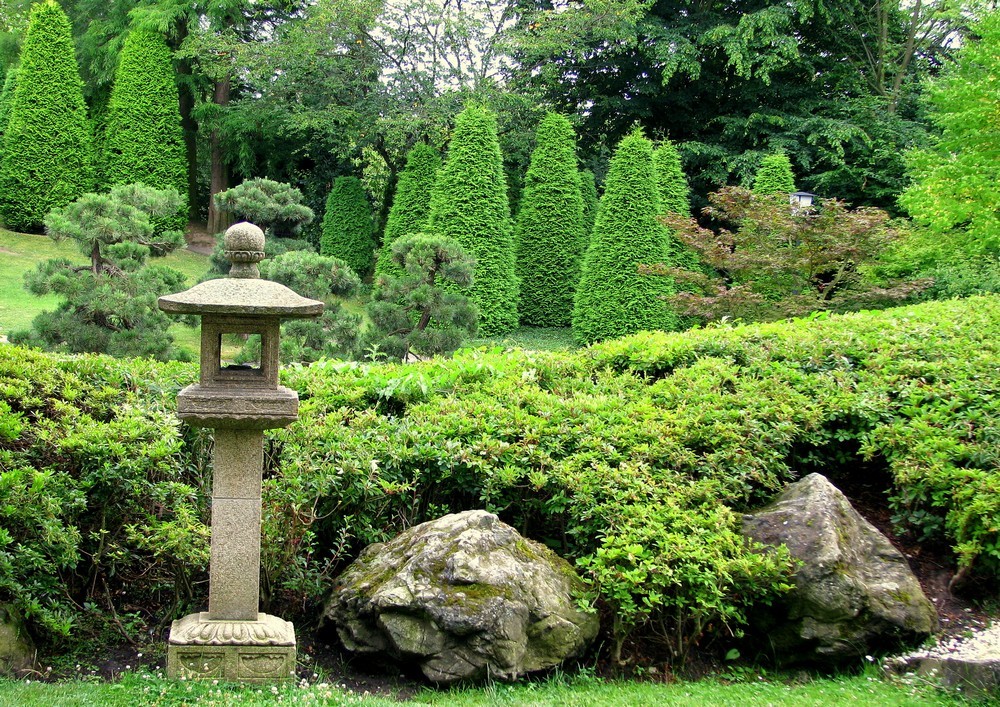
(47, 159)
(774, 176)
(274, 206)
(672, 186)
(613, 299)
(548, 233)
(588, 191)
(470, 204)
(6, 101)
(348, 228)
(143, 139)
(411, 206)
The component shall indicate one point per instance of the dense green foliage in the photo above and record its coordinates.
(954, 181)
(143, 141)
(47, 160)
(610, 455)
(470, 204)
(774, 175)
(6, 101)
(274, 206)
(588, 192)
(549, 231)
(613, 299)
(109, 304)
(348, 229)
(671, 183)
(411, 207)
(416, 312)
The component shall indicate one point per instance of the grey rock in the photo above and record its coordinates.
(854, 593)
(464, 596)
(17, 652)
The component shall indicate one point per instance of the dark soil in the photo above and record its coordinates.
(199, 240)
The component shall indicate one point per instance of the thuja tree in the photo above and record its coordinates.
(109, 303)
(470, 204)
(549, 231)
(274, 206)
(348, 227)
(6, 100)
(772, 262)
(671, 184)
(420, 311)
(47, 159)
(774, 176)
(411, 206)
(613, 299)
(588, 192)
(143, 140)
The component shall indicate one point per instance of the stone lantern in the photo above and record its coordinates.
(232, 640)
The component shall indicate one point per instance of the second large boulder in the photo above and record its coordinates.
(466, 598)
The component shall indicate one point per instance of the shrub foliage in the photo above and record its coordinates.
(143, 140)
(774, 176)
(549, 232)
(588, 191)
(671, 184)
(613, 299)
(470, 204)
(411, 207)
(348, 228)
(47, 148)
(274, 206)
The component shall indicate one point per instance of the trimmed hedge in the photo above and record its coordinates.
(774, 176)
(143, 140)
(411, 207)
(613, 299)
(549, 232)
(470, 204)
(633, 458)
(348, 228)
(47, 146)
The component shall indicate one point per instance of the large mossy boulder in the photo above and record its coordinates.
(466, 598)
(854, 593)
(17, 652)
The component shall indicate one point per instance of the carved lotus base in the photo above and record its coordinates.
(244, 651)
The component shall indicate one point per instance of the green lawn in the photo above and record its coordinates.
(20, 252)
(145, 689)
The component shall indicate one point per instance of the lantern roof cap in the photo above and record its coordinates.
(241, 297)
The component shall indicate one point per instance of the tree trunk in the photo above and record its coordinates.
(218, 219)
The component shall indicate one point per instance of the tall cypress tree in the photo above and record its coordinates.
(470, 204)
(348, 228)
(774, 176)
(549, 228)
(588, 191)
(613, 299)
(411, 207)
(671, 183)
(143, 140)
(47, 149)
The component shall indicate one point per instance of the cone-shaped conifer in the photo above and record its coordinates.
(144, 141)
(469, 204)
(47, 147)
(549, 228)
(411, 206)
(671, 183)
(348, 228)
(774, 176)
(613, 299)
(588, 190)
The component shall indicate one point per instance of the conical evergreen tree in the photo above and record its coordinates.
(774, 176)
(47, 157)
(671, 183)
(549, 229)
(143, 141)
(348, 228)
(588, 191)
(469, 204)
(411, 207)
(6, 101)
(613, 299)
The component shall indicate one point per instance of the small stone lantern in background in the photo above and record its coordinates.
(801, 200)
(232, 640)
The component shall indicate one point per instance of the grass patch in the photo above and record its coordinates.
(147, 689)
(532, 339)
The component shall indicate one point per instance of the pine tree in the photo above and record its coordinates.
(348, 228)
(671, 183)
(470, 204)
(774, 176)
(47, 158)
(143, 140)
(412, 205)
(588, 191)
(613, 299)
(549, 229)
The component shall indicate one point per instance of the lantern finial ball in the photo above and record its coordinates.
(244, 247)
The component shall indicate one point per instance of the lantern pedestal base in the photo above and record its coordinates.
(246, 651)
